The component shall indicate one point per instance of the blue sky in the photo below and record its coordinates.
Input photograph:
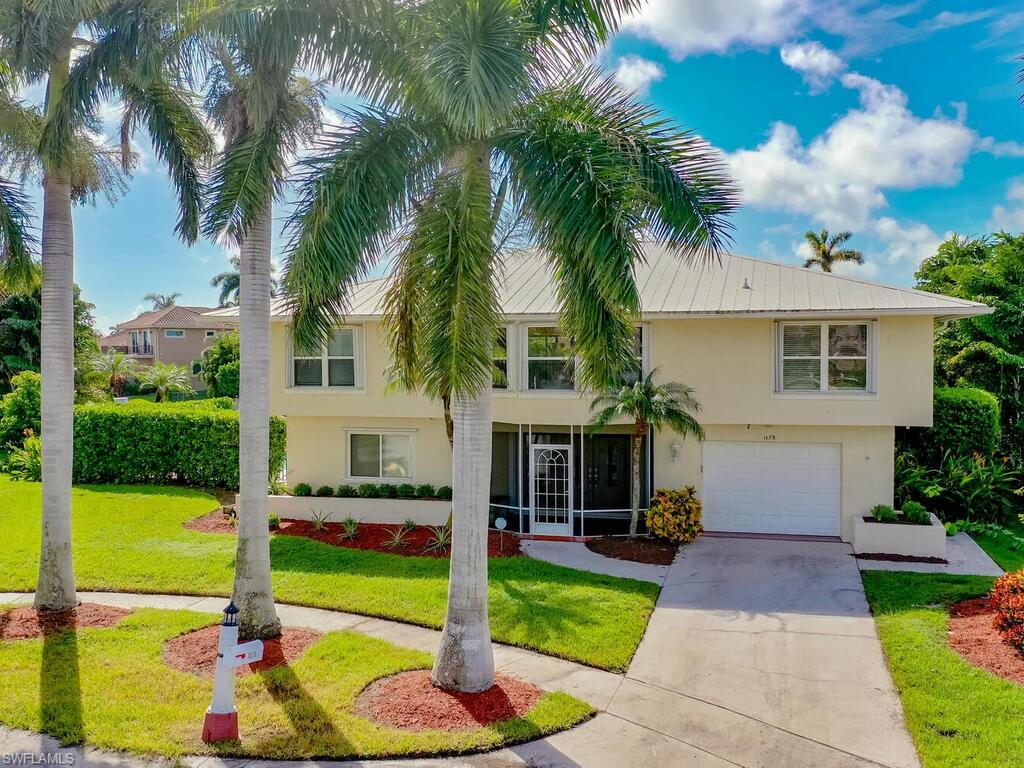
(899, 122)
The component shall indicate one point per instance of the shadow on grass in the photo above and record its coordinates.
(313, 725)
(60, 690)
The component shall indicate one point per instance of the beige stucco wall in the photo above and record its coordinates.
(180, 351)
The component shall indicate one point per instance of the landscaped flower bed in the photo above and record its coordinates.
(380, 538)
(887, 532)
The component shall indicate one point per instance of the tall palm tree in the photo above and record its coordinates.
(229, 282)
(117, 367)
(133, 54)
(473, 121)
(826, 250)
(162, 300)
(165, 378)
(649, 405)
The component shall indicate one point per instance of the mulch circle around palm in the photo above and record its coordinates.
(973, 636)
(640, 549)
(26, 622)
(410, 701)
(196, 652)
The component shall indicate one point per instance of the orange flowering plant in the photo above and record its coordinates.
(1008, 600)
(675, 515)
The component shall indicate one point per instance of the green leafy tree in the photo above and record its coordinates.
(162, 300)
(21, 408)
(648, 405)
(826, 249)
(225, 350)
(477, 118)
(131, 52)
(165, 378)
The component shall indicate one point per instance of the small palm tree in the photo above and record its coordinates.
(825, 250)
(650, 406)
(165, 378)
(162, 300)
(117, 367)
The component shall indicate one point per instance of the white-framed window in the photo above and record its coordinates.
(834, 356)
(499, 355)
(197, 367)
(333, 365)
(142, 342)
(174, 333)
(550, 364)
(640, 346)
(211, 334)
(383, 455)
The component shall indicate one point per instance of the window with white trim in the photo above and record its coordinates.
(211, 334)
(174, 334)
(825, 357)
(637, 370)
(380, 455)
(333, 365)
(550, 363)
(499, 356)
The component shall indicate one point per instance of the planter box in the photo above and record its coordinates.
(900, 538)
(423, 511)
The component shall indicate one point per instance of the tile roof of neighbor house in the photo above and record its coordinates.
(672, 285)
(177, 316)
(116, 339)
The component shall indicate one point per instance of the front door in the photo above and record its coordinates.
(551, 489)
(606, 464)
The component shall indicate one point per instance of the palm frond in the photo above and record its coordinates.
(17, 240)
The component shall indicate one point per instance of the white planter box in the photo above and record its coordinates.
(900, 539)
(395, 511)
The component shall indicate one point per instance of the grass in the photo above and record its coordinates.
(111, 689)
(958, 714)
(131, 539)
(1008, 554)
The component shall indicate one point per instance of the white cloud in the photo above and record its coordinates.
(839, 178)
(1001, 148)
(1010, 217)
(817, 64)
(868, 270)
(908, 242)
(636, 74)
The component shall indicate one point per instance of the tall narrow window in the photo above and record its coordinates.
(636, 371)
(550, 364)
(500, 355)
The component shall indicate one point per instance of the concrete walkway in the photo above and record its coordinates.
(963, 557)
(760, 654)
(573, 554)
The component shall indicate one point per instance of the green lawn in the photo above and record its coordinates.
(111, 689)
(1008, 554)
(958, 714)
(131, 539)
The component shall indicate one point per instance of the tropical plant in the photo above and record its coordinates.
(368, 491)
(165, 378)
(126, 50)
(915, 512)
(116, 368)
(425, 491)
(224, 351)
(826, 249)
(491, 107)
(277, 487)
(396, 538)
(324, 490)
(26, 460)
(440, 539)
(387, 491)
(162, 300)
(319, 520)
(17, 240)
(978, 487)
(349, 529)
(675, 516)
(405, 490)
(302, 489)
(1007, 599)
(445, 492)
(346, 491)
(883, 513)
(409, 524)
(273, 521)
(21, 408)
(648, 405)
(914, 481)
(229, 283)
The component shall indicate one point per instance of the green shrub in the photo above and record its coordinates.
(409, 524)
(21, 408)
(964, 421)
(26, 462)
(345, 492)
(224, 351)
(883, 513)
(368, 491)
(405, 491)
(319, 520)
(425, 491)
(228, 379)
(444, 492)
(273, 521)
(952, 529)
(978, 488)
(675, 516)
(302, 489)
(387, 491)
(350, 529)
(915, 512)
(192, 443)
(324, 490)
(1007, 599)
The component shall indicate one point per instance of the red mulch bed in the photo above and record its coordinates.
(411, 702)
(196, 652)
(972, 635)
(26, 622)
(900, 558)
(375, 536)
(214, 522)
(639, 549)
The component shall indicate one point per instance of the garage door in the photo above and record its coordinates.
(772, 488)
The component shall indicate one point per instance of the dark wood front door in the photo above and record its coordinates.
(606, 471)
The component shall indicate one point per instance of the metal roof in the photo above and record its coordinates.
(673, 286)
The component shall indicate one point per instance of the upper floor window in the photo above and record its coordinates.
(550, 363)
(825, 357)
(499, 353)
(333, 365)
(636, 371)
(174, 334)
(142, 343)
(210, 334)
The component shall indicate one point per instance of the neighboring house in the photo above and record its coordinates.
(175, 335)
(802, 375)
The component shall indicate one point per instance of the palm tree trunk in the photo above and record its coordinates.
(465, 661)
(634, 518)
(55, 589)
(253, 591)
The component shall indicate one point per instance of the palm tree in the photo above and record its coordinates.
(649, 405)
(165, 378)
(229, 283)
(132, 52)
(470, 123)
(17, 270)
(162, 300)
(117, 367)
(825, 249)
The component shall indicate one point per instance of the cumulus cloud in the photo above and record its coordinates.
(636, 74)
(1001, 148)
(908, 242)
(817, 64)
(1009, 217)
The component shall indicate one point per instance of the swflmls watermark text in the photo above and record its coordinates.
(37, 758)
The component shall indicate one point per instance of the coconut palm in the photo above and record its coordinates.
(474, 121)
(162, 300)
(229, 283)
(130, 53)
(826, 251)
(165, 378)
(117, 367)
(649, 405)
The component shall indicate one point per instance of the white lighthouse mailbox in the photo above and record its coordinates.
(221, 722)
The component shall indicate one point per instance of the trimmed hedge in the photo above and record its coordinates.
(193, 443)
(965, 421)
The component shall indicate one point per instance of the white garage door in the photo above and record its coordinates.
(772, 488)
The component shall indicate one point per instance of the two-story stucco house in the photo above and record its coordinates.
(803, 377)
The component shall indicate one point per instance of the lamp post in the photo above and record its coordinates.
(221, 721)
